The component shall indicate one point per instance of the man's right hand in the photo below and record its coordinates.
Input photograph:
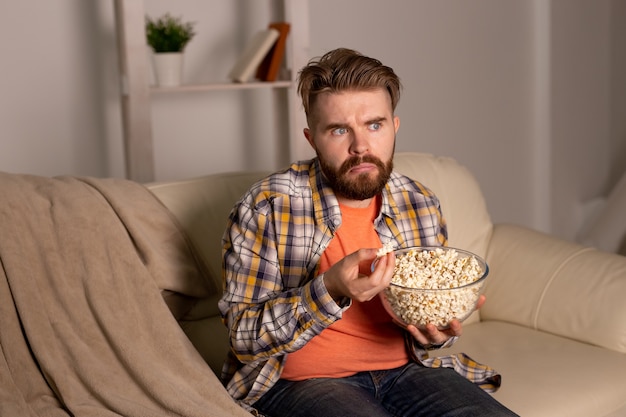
(344, 280)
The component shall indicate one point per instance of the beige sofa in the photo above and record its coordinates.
(554, 324)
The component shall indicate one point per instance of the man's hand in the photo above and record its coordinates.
(344, 280)
(431, 335)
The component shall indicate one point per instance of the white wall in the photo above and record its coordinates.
(51, 107)
(528, 94)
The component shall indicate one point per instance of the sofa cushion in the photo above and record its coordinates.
(560, 287)
(544, 375)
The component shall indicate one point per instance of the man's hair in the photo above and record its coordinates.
(344, 70)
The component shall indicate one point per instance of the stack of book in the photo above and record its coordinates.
(263, 55)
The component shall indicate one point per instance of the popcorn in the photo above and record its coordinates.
(437, 269)
(387, 248)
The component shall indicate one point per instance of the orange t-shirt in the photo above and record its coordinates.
(365, 338)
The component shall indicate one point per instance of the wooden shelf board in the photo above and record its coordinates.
(221, 86)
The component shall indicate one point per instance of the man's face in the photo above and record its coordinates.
(353, 134)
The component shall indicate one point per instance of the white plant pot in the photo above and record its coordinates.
(168, 68)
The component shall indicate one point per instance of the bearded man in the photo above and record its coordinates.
(308, 333)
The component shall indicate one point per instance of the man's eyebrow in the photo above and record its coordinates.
(333, 126)
(376, 120)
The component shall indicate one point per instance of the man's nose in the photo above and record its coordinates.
(360, 144)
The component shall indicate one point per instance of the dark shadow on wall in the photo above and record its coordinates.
(617, 90)
(91, 156)
(622, 248)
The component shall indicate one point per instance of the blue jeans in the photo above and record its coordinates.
(409, 391)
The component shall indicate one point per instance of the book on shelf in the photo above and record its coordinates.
(254, 52)
(270, 66)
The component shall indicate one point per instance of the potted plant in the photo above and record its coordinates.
(168, 36)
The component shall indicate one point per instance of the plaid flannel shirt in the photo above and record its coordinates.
(274, 301)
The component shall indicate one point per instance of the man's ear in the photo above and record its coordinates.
(396, 123)
(309, 137)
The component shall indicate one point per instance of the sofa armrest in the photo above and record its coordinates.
(559, 287)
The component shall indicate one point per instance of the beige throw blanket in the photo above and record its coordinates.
(84, 329)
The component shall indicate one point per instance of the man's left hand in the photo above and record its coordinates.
(431, 335)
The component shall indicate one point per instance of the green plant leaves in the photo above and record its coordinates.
(168, 33)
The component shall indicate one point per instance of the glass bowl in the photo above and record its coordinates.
(434, 285)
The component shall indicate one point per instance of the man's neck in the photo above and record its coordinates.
(354, 203)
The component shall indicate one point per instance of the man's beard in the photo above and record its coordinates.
(362, 187)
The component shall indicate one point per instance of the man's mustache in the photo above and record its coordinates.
(358, 160)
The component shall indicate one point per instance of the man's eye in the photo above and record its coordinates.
(340, 131)
(375, 126)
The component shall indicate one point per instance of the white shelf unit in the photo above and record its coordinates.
(136, 90)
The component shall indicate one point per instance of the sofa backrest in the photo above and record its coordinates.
(462, 202)
(202, 206)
